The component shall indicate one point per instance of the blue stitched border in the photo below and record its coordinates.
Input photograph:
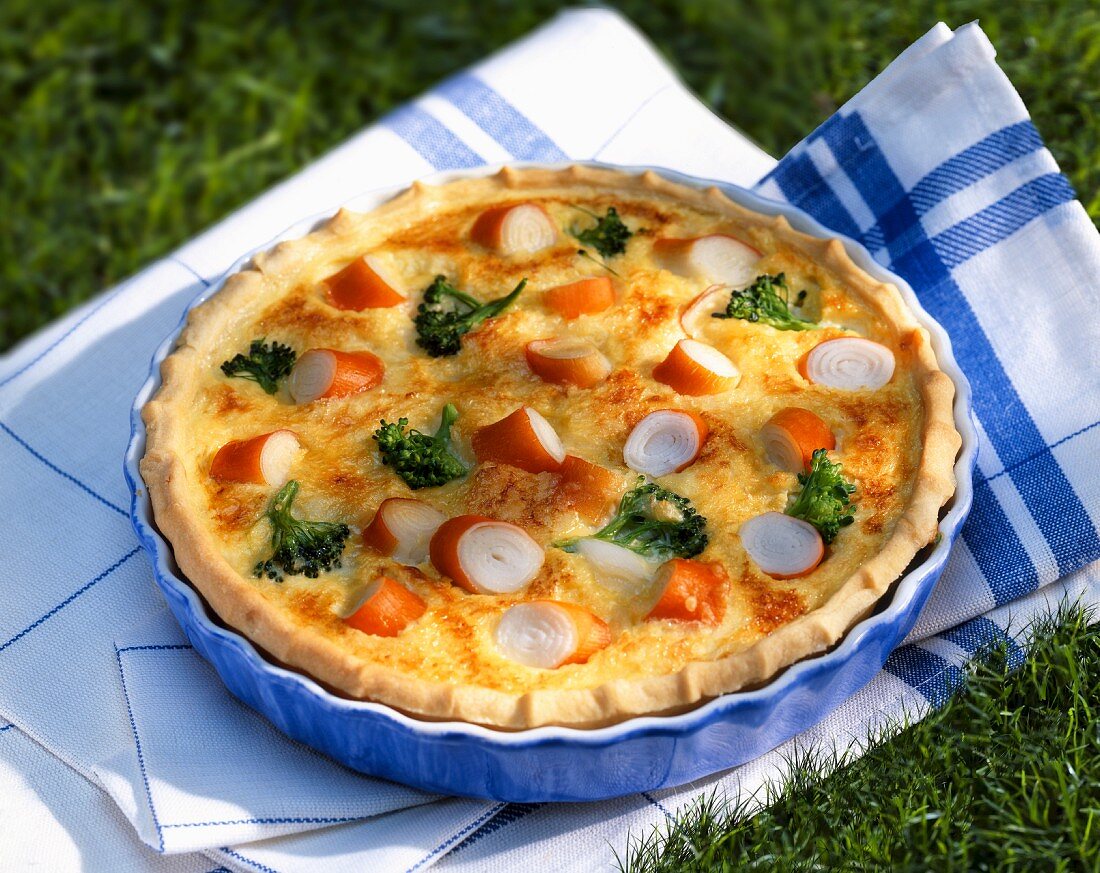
(141, 756)
(657, 804)
(72, 597)
(450, 841)
(513, 812)
(248, 861)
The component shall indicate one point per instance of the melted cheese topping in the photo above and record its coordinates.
(343, 479)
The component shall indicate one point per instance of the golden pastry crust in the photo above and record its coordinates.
(899, 444)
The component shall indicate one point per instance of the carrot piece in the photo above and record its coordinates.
(692, 591)
(696, 369)
(523, 439)
(587, 488)
(387, 609)
(261, 460)
(360, 286)
(328, 373)
(484, 555)
(514, 228)
(582, 297)
(567, 362)
(791, 435)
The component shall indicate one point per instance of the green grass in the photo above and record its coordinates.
(1005, 777)
(125, 129)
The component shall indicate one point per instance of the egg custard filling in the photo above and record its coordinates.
(549, 447)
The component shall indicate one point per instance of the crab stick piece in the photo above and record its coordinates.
(583, 297)
(849, 363)
(791, 435)
(523, 439)
(690, 591)
(516, 228)
(615, 566)
(782, 546)
(587, 488)
(717, 258)
(402, 528)
(485, 556)
(362, 284)
(262, 460)
(695, 369)
(548, 634)
(564, 361)
(327, 373)
(387, 609)
(665, 441)
(697, 314)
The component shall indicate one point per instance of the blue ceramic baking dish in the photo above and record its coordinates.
(558, 763)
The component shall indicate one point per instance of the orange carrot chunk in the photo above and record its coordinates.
(582, 297)
(696, 369)
(562, 361)
(360, 285)
(691, 591)
(328, 373)
(523, 439)
(791, 436)
(262, 460)
(485, 556)
(387, 609)
(514, 228)
(548, 634)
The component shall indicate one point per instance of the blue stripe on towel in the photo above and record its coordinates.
(500, 119)
(934, 677)
(431, 140)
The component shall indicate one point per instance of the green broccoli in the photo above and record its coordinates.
(265, 366)
(299, 548)
(423, 461)
(609, 236)
(654, 522)
(825, 499)
(766, 300)
(441, 322)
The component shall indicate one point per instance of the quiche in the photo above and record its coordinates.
(552, 446)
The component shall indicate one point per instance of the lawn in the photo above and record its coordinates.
(126, 129)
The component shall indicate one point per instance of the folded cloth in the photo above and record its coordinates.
(934, 166)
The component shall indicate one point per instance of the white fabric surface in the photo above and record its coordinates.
(191, 769)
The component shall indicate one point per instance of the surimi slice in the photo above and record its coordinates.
(791, 435)
(387, 609)
(782, 546)
(665, 441)
(849, 363)
(523, 439)
(485, 556)
(402, 528)
(563, 361)
(698, 314)
(616, 566)
(328, 373)
(690, 591)
(583, 297)
(362, 284)
(262, 460)
(696, 369)
(516, 228)
(588, 488)
(717, 257)
(548, 633)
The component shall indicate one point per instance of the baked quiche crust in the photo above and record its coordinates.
(216, 534)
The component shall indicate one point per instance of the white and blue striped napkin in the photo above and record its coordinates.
(934, 166)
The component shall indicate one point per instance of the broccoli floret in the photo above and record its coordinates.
(825, 499)
(423, 461)
(654, 522)
(609, 236)
(263, 365)
(300, 548)
(447, 314)
(766, 300)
